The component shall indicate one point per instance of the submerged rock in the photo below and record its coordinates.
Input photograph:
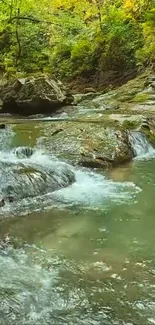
(24, 152)
(35, 95)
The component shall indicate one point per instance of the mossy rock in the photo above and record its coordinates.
(150, 135)
(130, 125)
(141, 97)
(91, 144)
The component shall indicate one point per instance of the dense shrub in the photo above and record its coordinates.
(71, 39)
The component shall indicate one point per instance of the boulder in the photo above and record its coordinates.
(34, 95)
(90, 144)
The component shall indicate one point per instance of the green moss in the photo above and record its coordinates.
(150, 136)
(126, 98)
(131, 125)
(141, 98)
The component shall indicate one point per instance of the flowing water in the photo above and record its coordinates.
(77, 247)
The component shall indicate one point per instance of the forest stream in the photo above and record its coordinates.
(77, 247)
(77, 162)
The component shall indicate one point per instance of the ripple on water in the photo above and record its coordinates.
(40, 288)
(31, 290)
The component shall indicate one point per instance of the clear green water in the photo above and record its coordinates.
(82, 264)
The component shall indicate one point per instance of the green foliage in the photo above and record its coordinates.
(82, 56)
(71, 38)
(121, 39)
(34, 54)
(146, 54)
(110, 44)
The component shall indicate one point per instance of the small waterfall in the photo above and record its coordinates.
(140, 145)
(93, 190)
(31, 180)
(26, 172)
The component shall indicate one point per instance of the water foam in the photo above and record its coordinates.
(89, 189)
(92, 189)
(31, 176)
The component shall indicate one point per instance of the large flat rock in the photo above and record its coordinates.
(88, 144)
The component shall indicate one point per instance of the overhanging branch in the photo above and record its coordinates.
(31, 19)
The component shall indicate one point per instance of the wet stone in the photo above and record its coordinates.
(2, 201)
(2, 126)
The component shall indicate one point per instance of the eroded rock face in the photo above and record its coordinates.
(30, 96)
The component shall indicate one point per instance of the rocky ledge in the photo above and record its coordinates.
(34, 95)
